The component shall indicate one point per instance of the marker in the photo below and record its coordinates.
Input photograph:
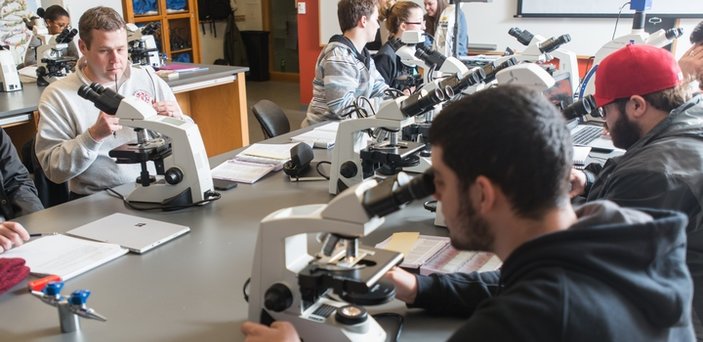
(40, 284)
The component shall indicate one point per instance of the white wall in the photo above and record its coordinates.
(490, 22)
(76, 7)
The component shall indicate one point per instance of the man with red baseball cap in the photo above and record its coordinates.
(650, 113)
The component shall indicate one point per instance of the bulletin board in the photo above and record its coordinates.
(606, 8)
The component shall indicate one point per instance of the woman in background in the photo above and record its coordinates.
(401, 17)
(56, 19)
(440, 25)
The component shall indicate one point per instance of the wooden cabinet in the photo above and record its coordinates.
(178, 33)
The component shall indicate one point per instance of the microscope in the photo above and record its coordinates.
(51, 63)
(142, 45)
(180, 158)
(659, 38)
(9, 77)
(322, 294)
(541, 50)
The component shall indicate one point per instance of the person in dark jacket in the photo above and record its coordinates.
(403, 16)
(18, 196)
(649, 112)
(502, 160)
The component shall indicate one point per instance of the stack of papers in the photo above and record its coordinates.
(435, 254)
(320, 137)
(254, 162)
(64, 256)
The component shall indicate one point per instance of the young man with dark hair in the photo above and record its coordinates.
(74, 137)
(650, 113)
(345, 70)
(502, 159)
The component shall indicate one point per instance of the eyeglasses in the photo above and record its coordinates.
(415, 22)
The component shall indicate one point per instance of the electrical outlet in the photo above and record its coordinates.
(301, 8)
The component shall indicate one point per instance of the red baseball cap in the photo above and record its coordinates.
(635, 70)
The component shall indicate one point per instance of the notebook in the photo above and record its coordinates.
(135, 233)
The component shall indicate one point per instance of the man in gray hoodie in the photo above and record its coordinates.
(345, 71)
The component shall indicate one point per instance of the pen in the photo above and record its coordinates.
(41, 234)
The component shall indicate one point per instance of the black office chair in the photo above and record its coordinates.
(49, 193)
(271, 117)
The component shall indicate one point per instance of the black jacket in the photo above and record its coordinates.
(396, 74)
(18, 196)
(664, 169)
(615, 275)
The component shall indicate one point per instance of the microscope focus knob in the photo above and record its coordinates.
(173, 176)
(351, 314)
(348, 169)
(278, 298)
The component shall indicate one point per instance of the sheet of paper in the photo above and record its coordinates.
(581, 154)
(320, 137)
(240, 171)
(64, 256)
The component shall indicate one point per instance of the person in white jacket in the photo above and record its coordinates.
(74, 137)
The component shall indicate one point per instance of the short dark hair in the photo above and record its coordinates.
(515, 137)
(99, 18)
(697, 34)
(349, 12)
(54, 12)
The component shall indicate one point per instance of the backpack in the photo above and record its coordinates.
(211, 10)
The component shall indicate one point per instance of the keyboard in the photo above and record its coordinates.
(586, 135)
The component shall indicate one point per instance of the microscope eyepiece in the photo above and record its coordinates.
(580, 108)
(552, 44)
(421, 102)
(105, 99)
(522, 36)
(390, 195)
(429, 56)
(490, 70)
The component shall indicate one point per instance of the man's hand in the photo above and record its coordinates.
(405, 284)
(691, 63)
(578, 183)
(168, 108)
(279, 331)
(12, 234)
(105, 126)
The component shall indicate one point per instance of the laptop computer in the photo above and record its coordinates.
(582, 133)
(137, 234)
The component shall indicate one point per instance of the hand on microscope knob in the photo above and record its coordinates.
(168, 108)
(405, 284)
(105, 126)
(279, 331)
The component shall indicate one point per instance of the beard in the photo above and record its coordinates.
(624, 132)
(471, 232)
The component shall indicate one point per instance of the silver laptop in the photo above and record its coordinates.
(137, 234)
